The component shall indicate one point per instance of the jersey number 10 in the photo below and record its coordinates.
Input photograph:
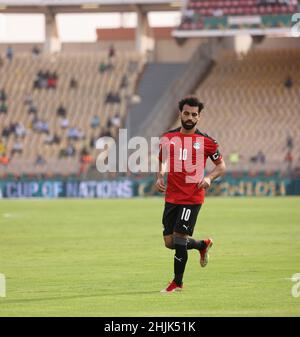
(186, 213)
(182, 154)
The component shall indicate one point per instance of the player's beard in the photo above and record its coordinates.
(188, 126)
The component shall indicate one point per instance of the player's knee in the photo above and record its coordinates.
(180, 240)
(180, 244)
(169, 244)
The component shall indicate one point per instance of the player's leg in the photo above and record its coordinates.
(169, 241)
(175, 241)
(180, 257)
(203, 247)
(168, 220)
(195, 244)
(187, 220)
(204, 252)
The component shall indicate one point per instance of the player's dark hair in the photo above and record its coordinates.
(191, 101)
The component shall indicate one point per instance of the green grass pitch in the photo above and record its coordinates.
(107, 258)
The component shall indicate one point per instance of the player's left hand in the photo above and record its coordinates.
(205, 183)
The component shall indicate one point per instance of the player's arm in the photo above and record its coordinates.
(213, 152)
(160, 183)
(217, 172)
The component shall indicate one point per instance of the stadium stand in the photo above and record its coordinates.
(203, 14)
(252, 108)
(162, 74)
(36, 137)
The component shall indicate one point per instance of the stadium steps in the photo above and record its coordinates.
(156, 78)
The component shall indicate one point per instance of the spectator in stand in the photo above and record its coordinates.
(9, 53)
(81, 134)
(52, 139)
(43, 80)
(20, 130)
(39, 80)
(12, 127)
(3, 95)
(112, 98)
(5, 132)
(36, 84)
(95, 122)
(49, 139)
(288, 83)
(289, 160)
(106, 133)
(70, 150)
(116, 120)
(289, 142)
(28, 99)
(188, 16)
(1, 61)
(32, 109)
(259, 158)
(73, 83)
(35, 51)
(73, 134)
(109, 124)
(102, 68)
(61, 111)
(4, 160)
(17, 148)
(84, 151)
(111, 51)
(64, 123)
(85, 159)
(2, 147)
(52, 80)
(41, 126)
(3, 107)
(40, 160)
(124, 82)
(92, 142)
(56, 139)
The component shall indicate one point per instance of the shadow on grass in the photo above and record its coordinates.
(4, 301)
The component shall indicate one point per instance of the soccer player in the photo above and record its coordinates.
(185, 151)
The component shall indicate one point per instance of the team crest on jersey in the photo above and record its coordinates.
(196, 146)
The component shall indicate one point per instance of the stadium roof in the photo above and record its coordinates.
(87, 6)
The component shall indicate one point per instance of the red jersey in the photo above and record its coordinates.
(186, 157)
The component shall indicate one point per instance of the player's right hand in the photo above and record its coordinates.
(160, 185)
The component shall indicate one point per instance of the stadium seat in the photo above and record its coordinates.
(248, 96)
(81, 103)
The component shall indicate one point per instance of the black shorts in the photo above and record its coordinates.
(180, 218)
